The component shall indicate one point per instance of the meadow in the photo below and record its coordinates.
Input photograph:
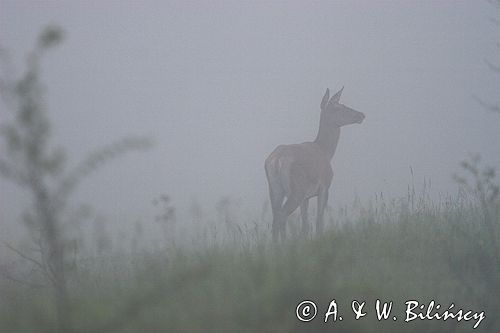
(412, 248)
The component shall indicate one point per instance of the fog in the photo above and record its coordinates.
(218, 85)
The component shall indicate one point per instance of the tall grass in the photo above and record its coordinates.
(407, 249)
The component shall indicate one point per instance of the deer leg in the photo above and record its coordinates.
(290, 205)
(276, 195)
(322, 200)
(303, 213)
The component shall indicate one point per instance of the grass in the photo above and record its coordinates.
(395, 251)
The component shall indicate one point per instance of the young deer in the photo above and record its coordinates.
(302, 171)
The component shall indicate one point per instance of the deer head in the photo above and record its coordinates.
(335, 114)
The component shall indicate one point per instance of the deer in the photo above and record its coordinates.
(298, 172)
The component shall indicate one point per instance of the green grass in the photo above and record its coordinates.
(390, 252)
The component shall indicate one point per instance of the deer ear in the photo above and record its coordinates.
(325, 99)
(336, 97)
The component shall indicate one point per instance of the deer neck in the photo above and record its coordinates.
(327, 139)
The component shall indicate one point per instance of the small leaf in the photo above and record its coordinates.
(51, 36)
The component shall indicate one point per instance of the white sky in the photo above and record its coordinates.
(219, 84)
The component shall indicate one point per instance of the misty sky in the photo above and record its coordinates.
(219, 84)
